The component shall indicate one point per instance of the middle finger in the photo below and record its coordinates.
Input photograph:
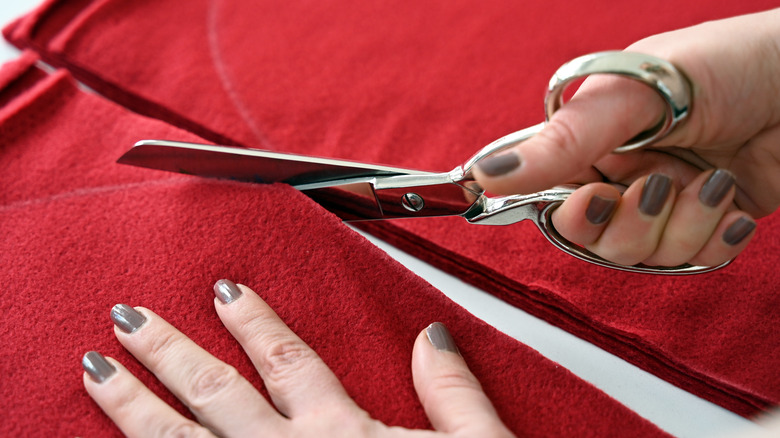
(636, 226)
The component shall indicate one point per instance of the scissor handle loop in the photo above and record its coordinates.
(545, 225)
(660, 75)
(539, 207)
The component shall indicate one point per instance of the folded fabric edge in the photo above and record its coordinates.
(11, 71)
(25, 29)
(21, 34)
(25, 25)
(22, 83)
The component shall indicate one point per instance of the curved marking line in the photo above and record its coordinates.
(224, 78)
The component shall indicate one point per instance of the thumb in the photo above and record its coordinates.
(605, 113)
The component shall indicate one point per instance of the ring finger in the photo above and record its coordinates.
(702, 203)
(297, 379)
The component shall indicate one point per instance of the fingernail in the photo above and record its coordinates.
(440, 338)
(499, 164)
(600, 209)
(126, 318)
(654, 194)
(227, 291)
(738, 231)
(98, 368)
(716, 188)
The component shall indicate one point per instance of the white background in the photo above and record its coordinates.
(671, 408)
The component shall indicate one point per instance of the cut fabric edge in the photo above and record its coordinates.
(521, 296)
(22, 82)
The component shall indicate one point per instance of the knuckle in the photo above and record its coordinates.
(455, 380)
(662, 259)
(283, 358)
(349, 422)
(622, 255)
(563, 137)
(685, 250)
(444, 384)
(210, 382)
(126, 399)
(252, 326)
(160, 346)
(625, 250)
(185, 429)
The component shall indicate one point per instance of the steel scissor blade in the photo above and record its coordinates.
(346, 188)
(250, 165)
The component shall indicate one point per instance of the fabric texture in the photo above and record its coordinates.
(82, 233)
(425, 85)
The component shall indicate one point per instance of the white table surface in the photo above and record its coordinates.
(674, 410)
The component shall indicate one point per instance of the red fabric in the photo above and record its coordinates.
(424, 85)
(81, 233)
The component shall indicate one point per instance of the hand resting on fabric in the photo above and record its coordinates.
(308, 399)
(693, 198)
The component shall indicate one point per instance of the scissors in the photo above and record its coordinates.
(360, 191)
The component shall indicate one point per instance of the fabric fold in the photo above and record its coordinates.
(424, 86)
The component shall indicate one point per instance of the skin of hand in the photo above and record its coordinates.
(672, 211)
(308, 399)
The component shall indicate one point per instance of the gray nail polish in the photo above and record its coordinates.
(499, 164)
(98, 368)
(127, 318)
(600, 209)
(227, 291)
(716, 188)
(440, 338)
(654, 194)
(738, 231)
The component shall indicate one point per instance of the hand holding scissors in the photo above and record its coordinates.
(730, 139)
(359, 191)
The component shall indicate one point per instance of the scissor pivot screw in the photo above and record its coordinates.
(413, 202)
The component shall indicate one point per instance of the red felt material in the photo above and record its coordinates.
(424, 85)
(81, 233)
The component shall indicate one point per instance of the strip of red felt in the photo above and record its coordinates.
(81, 233)
(424, 85)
